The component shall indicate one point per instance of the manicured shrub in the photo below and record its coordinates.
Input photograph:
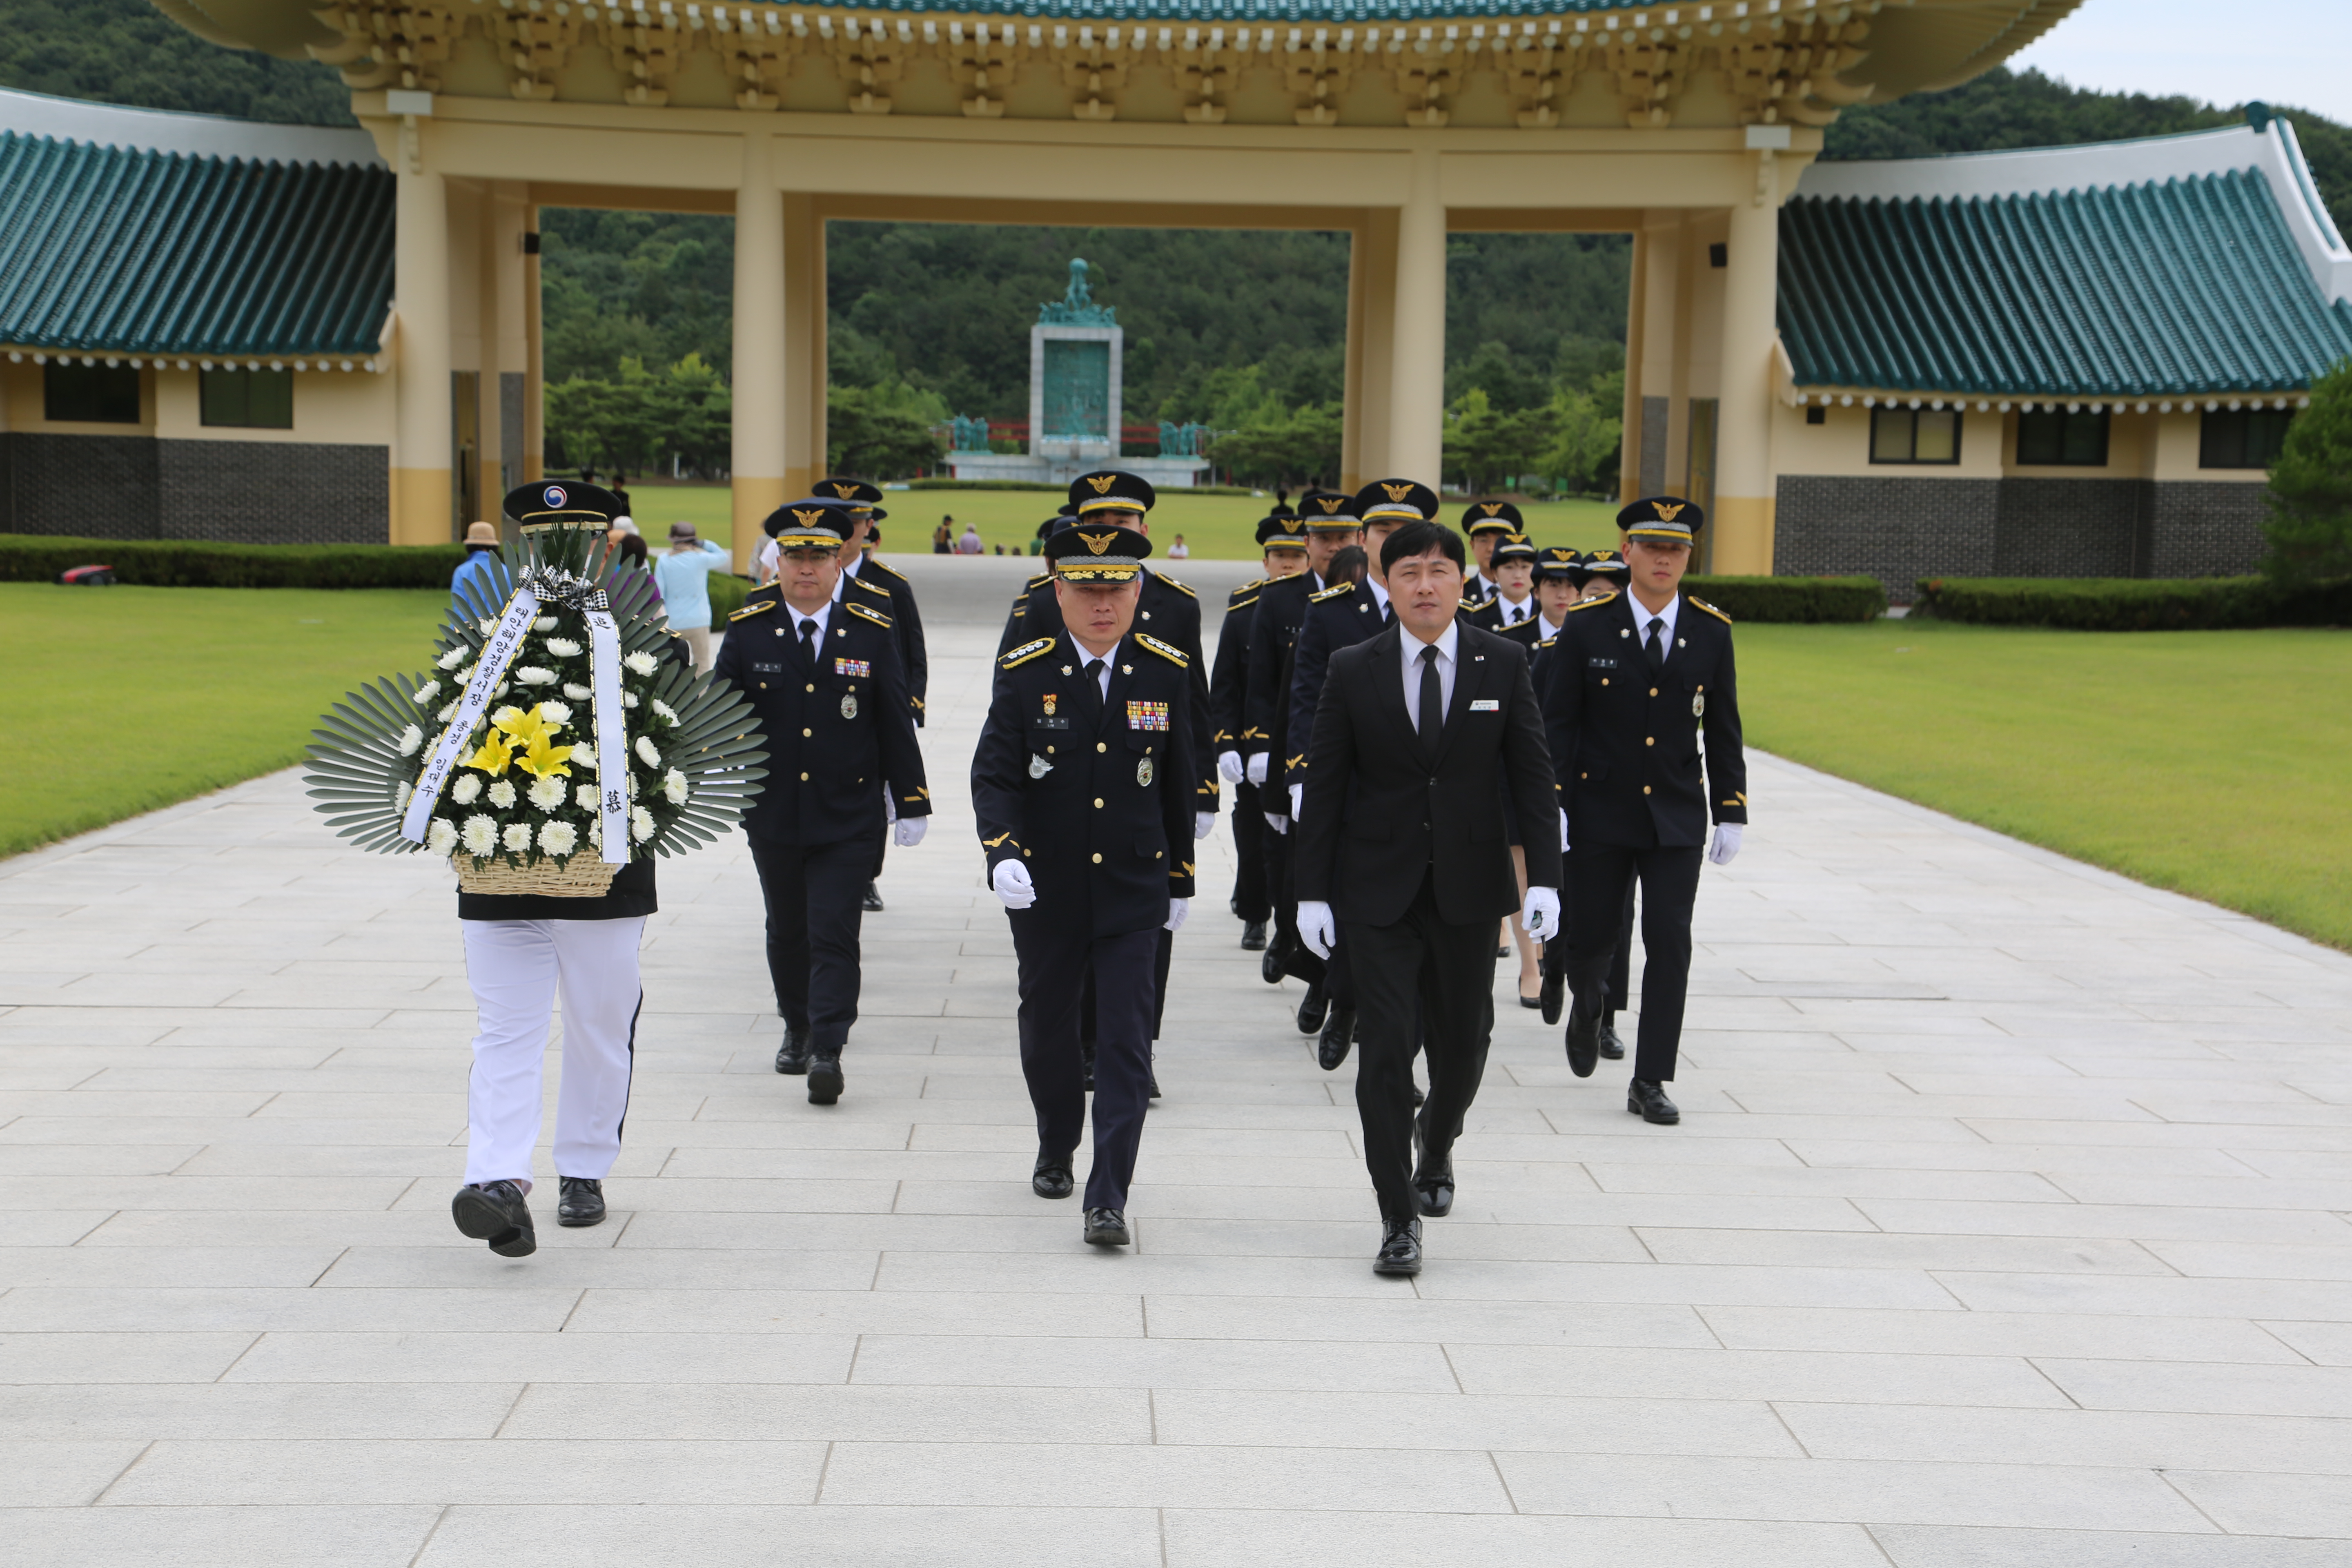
(2136, 604)
(1792, 599)
(201, 563)
(2310, 525)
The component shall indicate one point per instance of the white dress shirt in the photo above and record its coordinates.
(1411, 646)
(1514, 613)
(1548, 629)
(1102, 676)
(1643, 615)
(820, 618)
(1380, 598)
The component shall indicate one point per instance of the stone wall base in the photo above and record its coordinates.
(243, 492)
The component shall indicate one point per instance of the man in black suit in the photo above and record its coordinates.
(823, 675)
(1420, 730)
(1080, 789)
(1636, 683)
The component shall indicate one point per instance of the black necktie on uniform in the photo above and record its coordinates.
(1432, 700)
(1094, 694)
(1655, 648)
(1388, 613)
(808, 643)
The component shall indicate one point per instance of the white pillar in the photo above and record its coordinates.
(421, 511)
(1417, 375)
(1744, 482)
(756, 451)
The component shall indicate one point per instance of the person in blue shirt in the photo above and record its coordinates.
(684, 577)
(481, 556)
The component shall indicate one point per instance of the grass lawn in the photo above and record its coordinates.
(1214, 527)
(2209, 762)
(129, 699)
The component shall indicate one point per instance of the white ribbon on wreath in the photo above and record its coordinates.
(498, 653)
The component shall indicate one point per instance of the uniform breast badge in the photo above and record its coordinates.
(1699, 707)
(1038, 766)
(1143, 773)
(1050, 698)
(856, 667)
(849, 705)
(1146, 715)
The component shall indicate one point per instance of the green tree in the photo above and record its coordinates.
(1587, 430)
(2310, 524)
(1487, 448)
(1284, 447)
(871, 433)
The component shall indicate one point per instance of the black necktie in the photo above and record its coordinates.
(1432, 700)
(1388, 612)
(1094, 692)
(1657, 646)
(808, 643)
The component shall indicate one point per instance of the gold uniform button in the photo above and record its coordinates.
(807, 732)
(1654, 691)
(763, 686)
(1097, 802)
(805, 779)
(1605, 680)
(1102, 746)
(808, 689)
(1098, 859)
(1647, 740)
(1646, 789)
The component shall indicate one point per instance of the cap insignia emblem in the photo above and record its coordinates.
(807, 517)
(1096, 544)
(1102, 484)
(1491, 508)
(554, 496)
(845, 491)
(1397, 492)
(1669, 510)
(1329, 503)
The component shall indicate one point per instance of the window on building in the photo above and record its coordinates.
(2056, 438)
(1914, 435)
(2242, 437)
(1815, 414)
(256, 399)
(89, 393)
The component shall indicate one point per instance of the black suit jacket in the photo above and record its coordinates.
(1626, 743)
(1380, 814)
(914, 653)
(825, 786)
(1087, 792)
(1266, 704)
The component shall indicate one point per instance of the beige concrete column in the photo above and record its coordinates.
(507, 344)
(1684, 242)
(805, 340)
(1744, 486)
(420, 459)
(1372, 349)
(756, 453)
(1629, 451)
(534, 383)
(1417, 375)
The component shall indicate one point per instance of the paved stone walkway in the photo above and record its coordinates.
(2006, 1227)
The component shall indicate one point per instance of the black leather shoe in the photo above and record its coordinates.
(495, 1212)
(1611, 1046)
(1252, 936)
(871, 902)
(1419, 1099)
(582, 1201)
(1150, 1083)
(1338, 1034)
(1234, 904)
(824, 1077)
(1553, 992)
(1530, 1002)
(1106, 1228)
(1400, 1247)
(1650, 1101)
(1269, 967)
(1051, 1179)
(1432, 1185)
(792, 1056)
(1583, 1043)
(1311, 1009)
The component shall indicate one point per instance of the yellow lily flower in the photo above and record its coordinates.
(532, 728)
(541, 759)
(492, 756)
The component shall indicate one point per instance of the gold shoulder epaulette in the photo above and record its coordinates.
(1024, 652)
(748, 611)
(876, 616)
(1473, 605)
(1592, 604)
(1233, 599)
(1547, 642)
(1038, 582)
(1175, 585)
(881, 593)
(1241, 604)
(883, 566)
(1710, 609)
(1169, 651)
(1332, 593)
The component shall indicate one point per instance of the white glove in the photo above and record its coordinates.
(1257, 768)
(1013, 889)
(1540, 916)
(1177, 910)
(910, 831)
(1298, 798)
(1204, 824)
(1316, 927)
(1277, 821)
(1563, 830)
(1230, 764)
(890, 807)
(1725, 843)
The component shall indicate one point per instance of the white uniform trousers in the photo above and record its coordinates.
(518, 968)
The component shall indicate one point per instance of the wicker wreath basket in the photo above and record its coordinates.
(580, 876)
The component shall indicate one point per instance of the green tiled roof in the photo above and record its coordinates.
(2187, 286)
(114, 249)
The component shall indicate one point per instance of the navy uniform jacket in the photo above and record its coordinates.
(836, 734)
(914, 657)
(1491, 612)
(1166, 609)
(1229, 676)
(1273, 633)
(1625, 744)
(1090, 791)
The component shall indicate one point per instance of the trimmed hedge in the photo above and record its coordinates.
(1058, 489)
(1792, 599)
(200, 564)
(2133, 604)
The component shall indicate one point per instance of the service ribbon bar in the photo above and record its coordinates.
(498, 653)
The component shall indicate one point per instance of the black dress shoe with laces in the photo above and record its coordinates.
(792, 1056)
(1432, 1185)
(824, 1077)
(1611, 1047)
(1269, 967)
(1550, 996)
(582, 1203)
(496, 1213)
(1311, 1010)
(1649, 1100)
(1051, 1179)
(871, 902)
(1400, 1247)
(1106, 1228)
(1583, 1042)
(1338, 1034)
(1252, 936)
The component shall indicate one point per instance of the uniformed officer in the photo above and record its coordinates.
(1283, 549)
(1486, 522)
(1512, 563)
(1604, 573)
(1636, 684)
(1563, 579)
(1559, 583)
(823, 674)
(1080, 787)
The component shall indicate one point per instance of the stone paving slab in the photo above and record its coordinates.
(2010, 1224)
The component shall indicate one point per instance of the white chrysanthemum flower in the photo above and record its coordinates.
(642, 662)
(516, 839)
(577, 692)
(628, 699)
(449, 713)
(410, 740)
(633, 786)
(641, 824)
(646, 752)
(558, 838)
(454, 657)
(668, 713)
(464, 678)
(468, 789)
(488, 627)
(480, 836)
(583, 796)
(532, 675)
(442, 836)
(556, 712)
(502, 794)
(549, 792)
(564, 648)
(597, 831)
(544, 623)
(428, 693)
(504, 687)
(402, 796)
(584, 757)
(674, 787)
(506, 715)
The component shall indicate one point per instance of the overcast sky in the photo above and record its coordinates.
(2295, 52)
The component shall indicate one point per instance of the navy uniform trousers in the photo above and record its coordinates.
(814, 894)
(1601, 880)
(1056, 960)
